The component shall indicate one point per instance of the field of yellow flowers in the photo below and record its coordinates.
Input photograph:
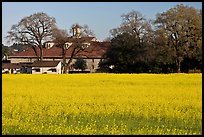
(102, 104)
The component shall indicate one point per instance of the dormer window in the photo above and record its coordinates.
(86, 45)
(68, 44)
(49, 45)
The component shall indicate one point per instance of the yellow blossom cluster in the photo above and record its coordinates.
(102, 104)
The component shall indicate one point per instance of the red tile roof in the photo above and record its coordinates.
(45, 64)
(95, 50)
(82, 39)
(10, 66)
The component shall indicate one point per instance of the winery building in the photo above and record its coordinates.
(92, 54)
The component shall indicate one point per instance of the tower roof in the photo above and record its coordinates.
(77, 26)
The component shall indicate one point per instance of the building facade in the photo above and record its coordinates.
(93, 54)
(46, 67)
(92, 51)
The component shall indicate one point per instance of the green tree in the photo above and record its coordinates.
(163, 61)
(33, 30)
(133, 23)
(182, 26)
(130, 45)
(5, 51)
(124, 55)
(80, 64)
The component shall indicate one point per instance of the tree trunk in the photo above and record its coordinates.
(41, 54)
(65, 69)
(178, 66)
(74, 52)
(64, 60)
(34, 49)
(70, 60)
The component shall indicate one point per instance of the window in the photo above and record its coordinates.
(52, 70)
(37, 70)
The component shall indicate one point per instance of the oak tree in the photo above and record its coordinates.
(182, 26)
(33, 30)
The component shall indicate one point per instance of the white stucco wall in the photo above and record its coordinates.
(17, 60)
(46, 70)
(15, 71)
(92, 64)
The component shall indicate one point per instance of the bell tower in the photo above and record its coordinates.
(76, 31)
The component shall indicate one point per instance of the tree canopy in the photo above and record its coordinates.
(182, 26)
(33, 30)
(171, 42)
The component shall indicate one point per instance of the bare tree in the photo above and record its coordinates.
(86, 31)
(133, 23)
(76, 43)
(33, 30)
(60, 37)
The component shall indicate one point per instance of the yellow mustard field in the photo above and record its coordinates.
(102, 104)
